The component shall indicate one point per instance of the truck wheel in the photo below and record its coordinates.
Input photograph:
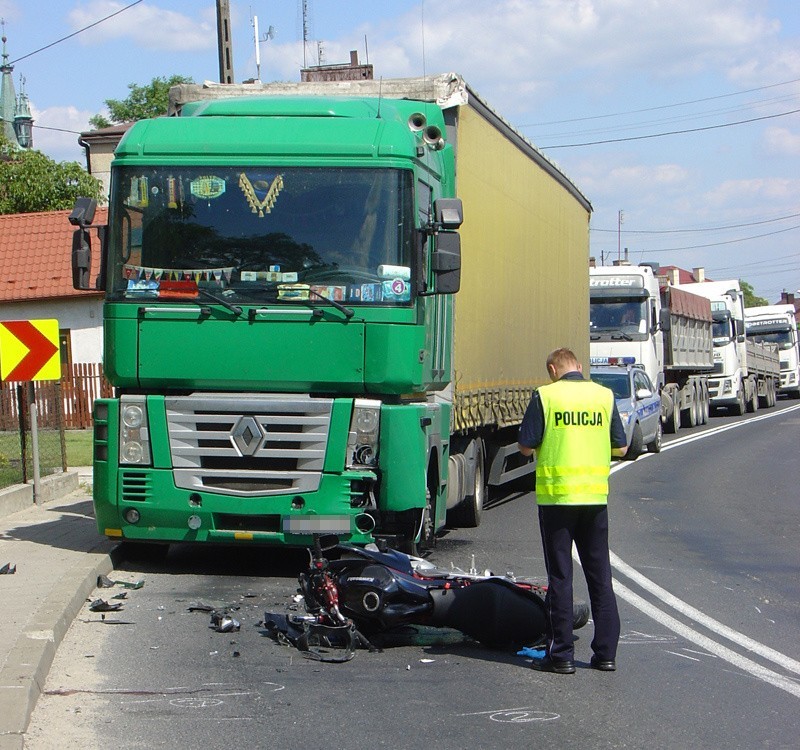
(655, 445)
(467, 514)
(635, 448)
(752, 404)
(739, 407)
(673, 422)
(689, 416)
(427, 532)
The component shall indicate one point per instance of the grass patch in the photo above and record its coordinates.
(79, 447)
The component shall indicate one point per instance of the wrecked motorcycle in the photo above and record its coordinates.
(363, 591)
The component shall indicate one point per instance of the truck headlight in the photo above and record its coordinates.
(726, 386)
(134, 435)
(362, 440)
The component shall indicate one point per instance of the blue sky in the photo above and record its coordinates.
(596, 84)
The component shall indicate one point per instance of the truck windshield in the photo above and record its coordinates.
(260, 234)
(618, 317)
(783, 339)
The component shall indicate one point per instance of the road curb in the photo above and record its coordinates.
(31, 657)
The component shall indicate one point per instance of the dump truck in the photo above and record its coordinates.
(326, 308)
(638, 318)
(746, 373)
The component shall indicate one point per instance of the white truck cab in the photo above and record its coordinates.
(776, 324)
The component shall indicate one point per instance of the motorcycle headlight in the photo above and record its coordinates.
(362, 441)
(134, 435)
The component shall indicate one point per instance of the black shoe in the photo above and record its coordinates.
(559, 666)
(604, 665)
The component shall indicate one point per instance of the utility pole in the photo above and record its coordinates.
(620, 218)
(224, 41)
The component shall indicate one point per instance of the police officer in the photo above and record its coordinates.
(573, 425)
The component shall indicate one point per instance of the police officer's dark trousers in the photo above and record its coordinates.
(587, 526)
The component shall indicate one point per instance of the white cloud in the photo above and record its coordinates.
(782, 142)
(583, 42)
(146, 25)
(740, 192)
(56, 131)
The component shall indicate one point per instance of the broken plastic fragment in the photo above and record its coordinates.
(104, 582)
(8, 570)
(222, 622)
(99, 605)
(201, 607)
(131, 584)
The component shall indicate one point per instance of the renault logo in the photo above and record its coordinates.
(247, 435)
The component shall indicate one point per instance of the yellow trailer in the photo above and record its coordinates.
(524, 281)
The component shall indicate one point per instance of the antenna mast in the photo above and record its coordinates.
(305, 31)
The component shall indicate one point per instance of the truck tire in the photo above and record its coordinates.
(673, 421)
(689, 416)
(654, 446)
(467, 514)
(635, 448)
(752, 404)
(739, 407)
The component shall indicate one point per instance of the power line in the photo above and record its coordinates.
(662, 106)
(75, 33)
(738, 110)
(672, 132)
(717, 244)
(701, 229)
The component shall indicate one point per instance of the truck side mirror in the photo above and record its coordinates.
(81, 258)
(664, 320)
(446, 263)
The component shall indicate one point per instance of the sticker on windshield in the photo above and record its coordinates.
(207, 187)
(397, 290)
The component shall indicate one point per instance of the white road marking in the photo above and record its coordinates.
(762, 673)
(742, 662)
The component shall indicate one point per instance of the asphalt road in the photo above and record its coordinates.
(707, 565)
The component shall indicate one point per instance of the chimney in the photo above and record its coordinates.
(354, 58)
(674, 276)
(592, 261)
(787, 298)
(699, 274)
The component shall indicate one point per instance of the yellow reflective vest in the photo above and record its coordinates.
(573, 461)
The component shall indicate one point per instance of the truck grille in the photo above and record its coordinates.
(246, 445)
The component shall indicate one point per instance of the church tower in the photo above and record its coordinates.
(15, 110)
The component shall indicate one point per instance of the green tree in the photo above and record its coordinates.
(142, 103)
(750, 298)
(32, 182)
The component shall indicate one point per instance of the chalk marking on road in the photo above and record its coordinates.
(683, 656)
(515, 715)
(742, 662)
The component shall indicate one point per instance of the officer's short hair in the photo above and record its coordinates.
(562, 359)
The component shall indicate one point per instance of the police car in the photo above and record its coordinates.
(638, 403)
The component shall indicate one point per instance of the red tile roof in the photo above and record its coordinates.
(36, 256)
